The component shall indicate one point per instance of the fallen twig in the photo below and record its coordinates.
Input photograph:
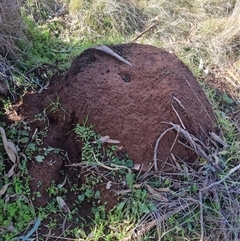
(115, 168)
(143, 32)
(222, 180)
(178, 117)
(194, 142)
(201, 216)
(197, 145)
(156, 147)
(146, 227)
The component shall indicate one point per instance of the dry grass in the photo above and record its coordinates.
(11, 27)
(205, 196)
(203, 25)
(98, 18)
(212, 208)
(207, 31)
(41, 10)
(11, 30)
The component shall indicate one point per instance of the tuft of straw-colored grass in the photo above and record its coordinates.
(199, 31)
(40, 10)
(11, 31)
(95, 19)
(11, 27)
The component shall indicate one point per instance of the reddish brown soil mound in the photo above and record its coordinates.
(130, 104)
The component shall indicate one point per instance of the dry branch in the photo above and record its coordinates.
(143, 32)
(223, 179)
(156, 147)
(201, 216)
(145, 227)
(194, 142)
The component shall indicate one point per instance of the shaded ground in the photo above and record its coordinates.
(131, 104)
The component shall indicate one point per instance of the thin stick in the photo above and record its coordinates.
(218, 139)
(201, 216)
(156, 147)
(193, 141)
(222, 180)
(143, 32)
(198, 99)
(175, 140)
(178, 117)
(178, 101)
(116, 167)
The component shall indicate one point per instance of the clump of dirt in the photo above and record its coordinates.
(131, 104)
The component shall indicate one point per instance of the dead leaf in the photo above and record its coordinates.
(64, 223)
(137, 167)
(107, 139)
(11, 171)
(62, 184)
(156, 194)
(218, 139)
(9, 147)
(109, 184)
(163, 189)
(233, 75)
(138, 185)
(11, 228)
(4, 189)
(123, 192)
(91, 235)
(15, 197)
(63, 205)
(120, 148)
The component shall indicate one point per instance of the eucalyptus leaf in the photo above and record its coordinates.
(9, 147)
(4, 189)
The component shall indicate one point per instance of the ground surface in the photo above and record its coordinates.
(131, 104)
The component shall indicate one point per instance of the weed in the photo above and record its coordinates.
(54, 106)
(16, 214)
(15, 207)
(52, 223)
(52, 189)
(133, 205)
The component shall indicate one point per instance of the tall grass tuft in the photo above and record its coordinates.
(11, 27)
(99, 18)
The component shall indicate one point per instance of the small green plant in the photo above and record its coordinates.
(15, 208)
(55, 106)
(52, 224)
(52, 189)
(133, 204)
(16, 214)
